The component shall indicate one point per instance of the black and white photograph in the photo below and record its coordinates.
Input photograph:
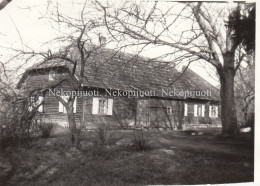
(130, 92)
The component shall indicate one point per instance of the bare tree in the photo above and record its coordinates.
(192, 32)
(79, 34)
(17, 115)
(245, 94)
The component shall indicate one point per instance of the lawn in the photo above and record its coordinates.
(170, 158)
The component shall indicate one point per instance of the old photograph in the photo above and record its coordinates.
(127, 92)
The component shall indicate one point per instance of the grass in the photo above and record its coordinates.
(171, 159)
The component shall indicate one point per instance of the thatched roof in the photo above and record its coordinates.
(106, 68)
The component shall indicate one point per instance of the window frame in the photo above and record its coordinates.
(185, 109)
(216, 113)
(199, 110)
(108, 110)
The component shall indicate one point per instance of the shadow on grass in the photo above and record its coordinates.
(170, 160)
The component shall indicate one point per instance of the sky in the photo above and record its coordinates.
(22, 24)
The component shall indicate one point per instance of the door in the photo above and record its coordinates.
(142, 113)
(162, 117)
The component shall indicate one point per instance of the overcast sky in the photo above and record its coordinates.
(22, 25)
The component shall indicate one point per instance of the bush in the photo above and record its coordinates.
(16, 121)
(45, 126)
(102, 135)
(141, 142)
(46, 129)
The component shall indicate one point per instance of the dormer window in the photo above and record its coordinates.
(52, 75)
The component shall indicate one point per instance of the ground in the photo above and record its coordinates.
(170, 158)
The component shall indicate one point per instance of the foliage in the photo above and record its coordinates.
(242, 23)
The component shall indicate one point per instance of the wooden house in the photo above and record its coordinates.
(164, 97)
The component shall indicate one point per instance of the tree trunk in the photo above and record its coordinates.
(180, 114)
(74, 132)
(228, 109)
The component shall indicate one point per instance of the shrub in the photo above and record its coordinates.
(141, 142)
(45, 126)
(16, 120)
(102, 135)
(46, 129)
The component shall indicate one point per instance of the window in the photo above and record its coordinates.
(169, 110)
(63, 109)
(51, 75)
(102, 106)
(34, 102)
(199, 110)
(213, 111)
(185, 109)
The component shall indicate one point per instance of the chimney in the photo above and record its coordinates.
(102, 40)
